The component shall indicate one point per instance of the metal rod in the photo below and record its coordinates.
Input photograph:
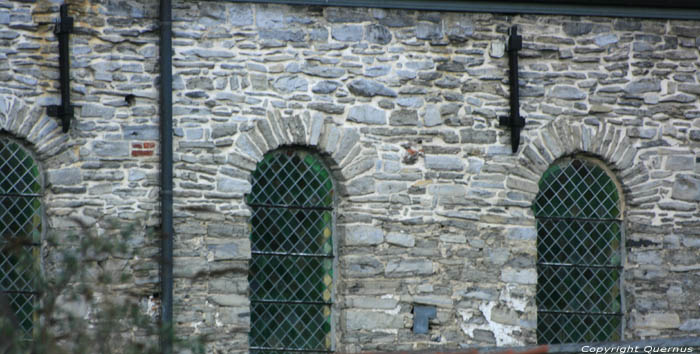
(582, 313)
(272, 253)
(292, 302)
(292, 350)
(571, 218)
(20, 195)
(166, 144)
(553, 264)
(64, 111)
(280, 206)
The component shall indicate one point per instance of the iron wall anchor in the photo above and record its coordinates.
(514, 121)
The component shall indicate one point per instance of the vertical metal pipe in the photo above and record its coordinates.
(166, 173)
(64, 66)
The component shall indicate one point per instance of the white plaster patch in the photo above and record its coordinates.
(503, 333)
(516, 303)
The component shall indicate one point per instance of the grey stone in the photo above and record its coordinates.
(362, 266)
(391, 187)
(366, 302)
(235, 250)
(368, 88)
(323, 71)
(435, 300)
(432, 116)
(429, 31)
(452, 66)
(522, 233)
(691, 325)
(566, 92)
(229, 185)
(409, 267)
(404, 117)
(325, 87)
(498, 49)
(141, 132)
(360, 320)
(474, 136)
(233, 300)
(347, 15)
(240, 15)
(95, 110)
(577, 28)
(605, 39)
(222, 130)
(291, 83)
(377, 71)
(377, 34)
(444, 163)
(686, 187)
(350, 138)
(65, 176)
(680, 163)
(347, 33)
(363, 235)
(360, 186)
(327, 107)
(283, 35)
(458, 31)
(642, 86)
(209, 53)
(111, 148)
(519, 276)
(367, 114)
(401, 239)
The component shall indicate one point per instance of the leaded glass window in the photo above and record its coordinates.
(579, 254)
(291, 269)
(20, 222)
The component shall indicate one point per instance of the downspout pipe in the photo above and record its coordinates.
(166, 176)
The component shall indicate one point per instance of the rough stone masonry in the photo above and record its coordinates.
(433, 207)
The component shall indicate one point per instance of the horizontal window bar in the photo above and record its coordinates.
(280, 206)
(568, 218)
(291, 302)
(19, 292)
(272, 253)
(581, 313)
(20, 195)
(553, 264)
(292, 349)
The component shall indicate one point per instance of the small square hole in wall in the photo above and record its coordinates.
(421, 318)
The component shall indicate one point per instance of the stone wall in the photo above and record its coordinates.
(433, 207)
(103, 173)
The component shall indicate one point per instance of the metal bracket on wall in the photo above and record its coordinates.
(514, 121)
(64, 111)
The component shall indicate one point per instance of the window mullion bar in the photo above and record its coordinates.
(571, 265)
(305, 207)
(581, 313)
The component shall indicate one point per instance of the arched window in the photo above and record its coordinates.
(291, 269)
(20, 227)
(579, 254)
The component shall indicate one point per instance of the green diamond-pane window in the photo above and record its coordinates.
(291, 269)
(20, 224)
(579, 255)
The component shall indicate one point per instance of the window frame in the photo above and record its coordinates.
(334, 304)
(39, 246)
(620, 220)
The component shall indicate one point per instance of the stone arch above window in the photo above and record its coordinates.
(578, 212)
(565, 137)
(33, 125)
(292, 253)
(21, 225)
